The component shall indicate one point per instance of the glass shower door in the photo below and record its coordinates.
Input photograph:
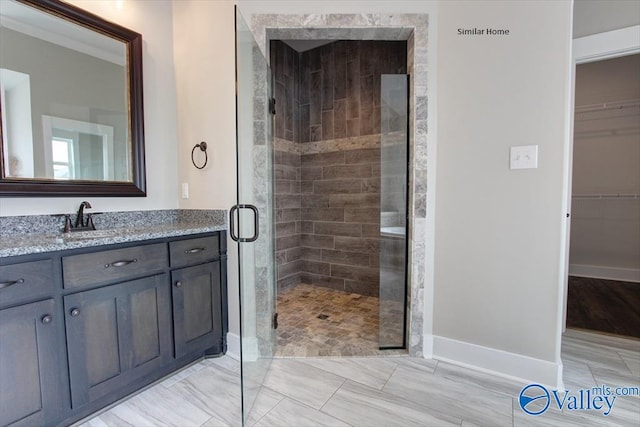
(394, 125)
(254, 215)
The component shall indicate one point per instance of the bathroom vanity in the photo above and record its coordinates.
(87, 319)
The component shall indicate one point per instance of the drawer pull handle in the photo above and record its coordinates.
(10, 283)
(178, 284)
(194, 250)
(121, 263)
(46, 319)
(74, 312)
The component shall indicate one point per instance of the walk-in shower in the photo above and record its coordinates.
(340, 195)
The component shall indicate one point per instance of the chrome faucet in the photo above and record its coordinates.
(80, 217)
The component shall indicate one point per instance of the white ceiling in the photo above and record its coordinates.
(597, 16)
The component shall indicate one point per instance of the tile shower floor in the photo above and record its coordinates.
(318, 321)
(380, 391)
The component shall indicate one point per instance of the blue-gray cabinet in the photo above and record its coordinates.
(31, 386)
(197, 312)
(198, 315)
(116, 335)
(82, 328)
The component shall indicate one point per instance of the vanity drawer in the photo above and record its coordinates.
(27, 280)
(98, 268)
(194, 251)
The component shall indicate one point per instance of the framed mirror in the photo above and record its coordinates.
(71, 103)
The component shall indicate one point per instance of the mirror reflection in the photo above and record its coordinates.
(64, 97)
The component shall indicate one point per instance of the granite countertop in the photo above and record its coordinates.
(31, 243)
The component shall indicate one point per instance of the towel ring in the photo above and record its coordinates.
(203, 147)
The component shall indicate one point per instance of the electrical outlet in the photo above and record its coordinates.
(523, 157)
(185, 190)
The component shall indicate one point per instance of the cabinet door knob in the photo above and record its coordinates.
(46, 319)
(74, 312)
(178, 284)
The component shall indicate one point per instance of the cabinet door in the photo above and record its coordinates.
(197, 317)
(29, 381)
(115, 335)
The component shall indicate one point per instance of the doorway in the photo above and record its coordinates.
(412, 29)
(604, 262)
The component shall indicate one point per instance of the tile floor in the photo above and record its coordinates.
(318, 321)
(381, 391)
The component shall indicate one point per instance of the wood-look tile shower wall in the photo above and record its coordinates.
(332, 91)
(328, 200)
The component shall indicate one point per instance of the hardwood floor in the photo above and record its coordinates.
(382, 391)
(604, 305)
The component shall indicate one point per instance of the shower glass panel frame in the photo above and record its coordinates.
(255, 215)
(394, 208)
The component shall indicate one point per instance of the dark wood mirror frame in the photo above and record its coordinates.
(137, 188)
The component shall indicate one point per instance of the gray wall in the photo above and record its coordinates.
(499, 232)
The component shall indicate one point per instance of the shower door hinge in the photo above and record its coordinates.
(272, 106)
(275, 320)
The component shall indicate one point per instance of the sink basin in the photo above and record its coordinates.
(88, 235)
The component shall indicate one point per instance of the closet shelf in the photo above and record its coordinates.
(606, 196)
(606, 132)
(607, 106)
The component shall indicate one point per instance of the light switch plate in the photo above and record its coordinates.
(185, 190)
(523, 157)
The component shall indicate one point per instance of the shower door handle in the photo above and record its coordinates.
(232, 223)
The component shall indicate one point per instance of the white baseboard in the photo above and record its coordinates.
(600, 272)
(498, 362)
(249, 348)
(427, 346)
(233, 345)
